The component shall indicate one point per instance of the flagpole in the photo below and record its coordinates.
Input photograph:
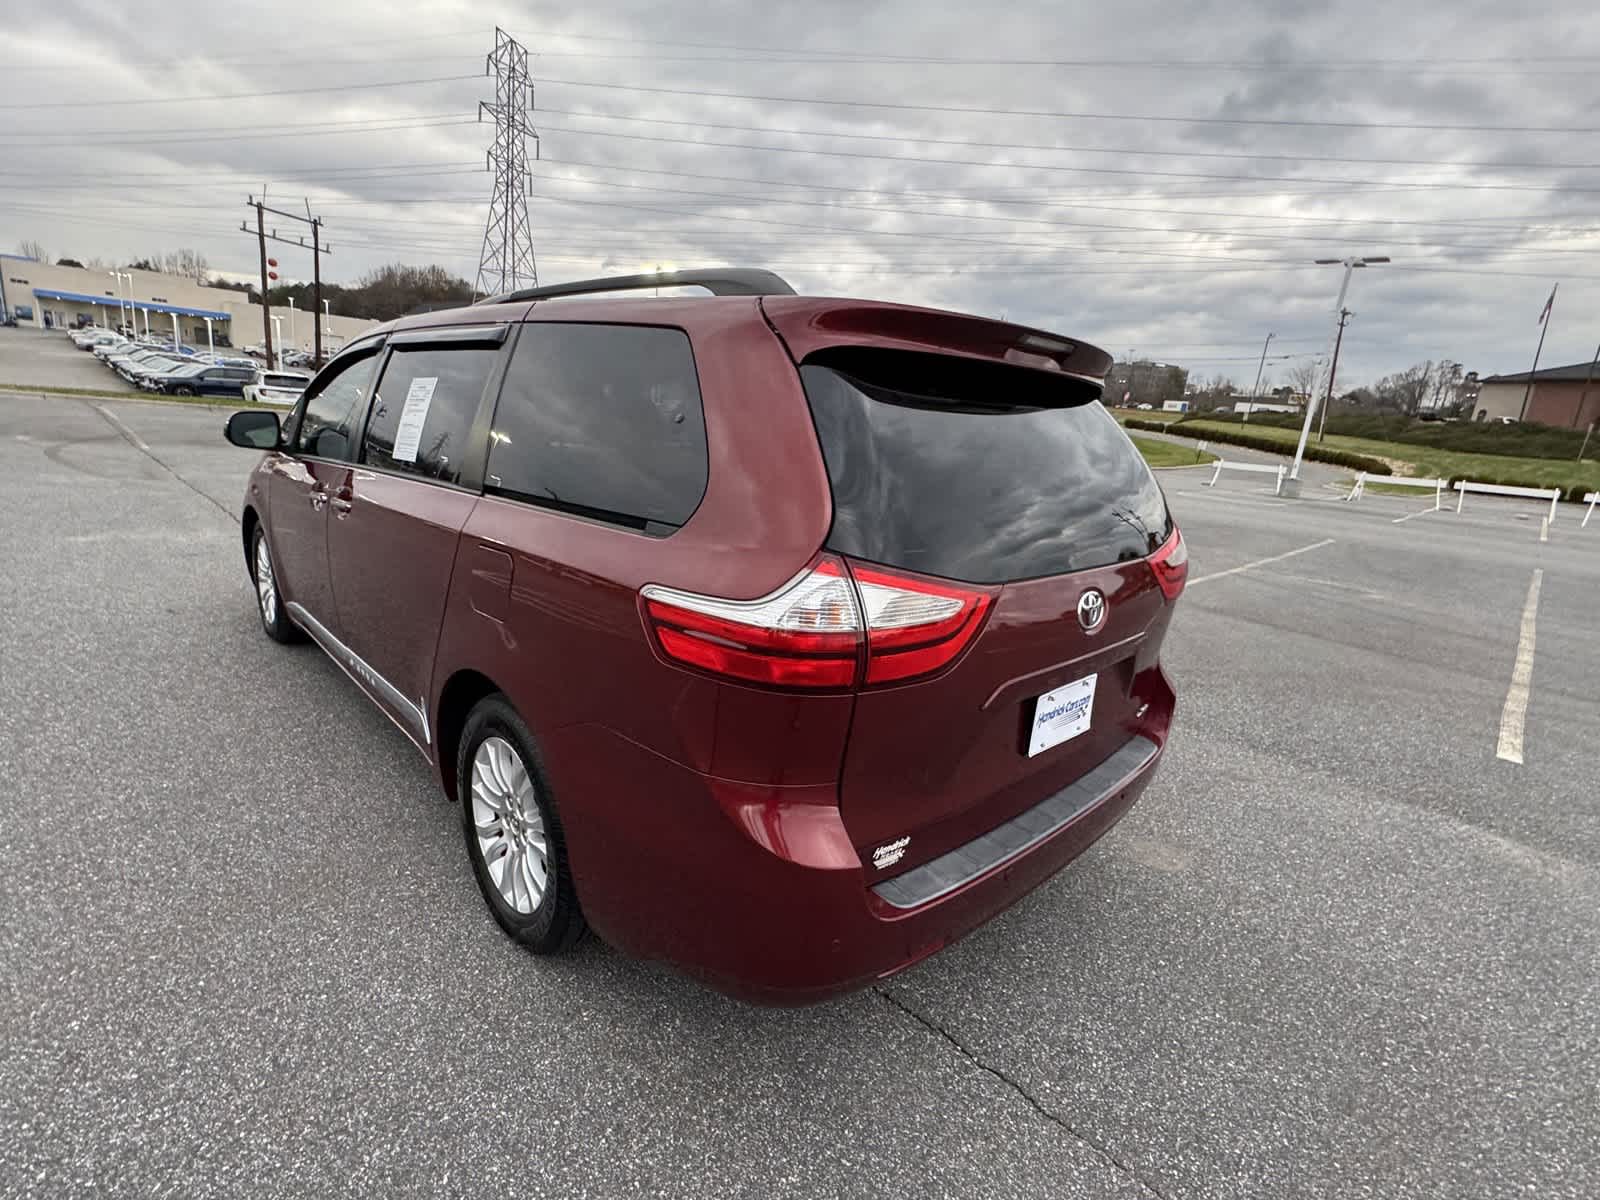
(1544, 328)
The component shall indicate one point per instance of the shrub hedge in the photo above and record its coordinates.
(1316, 453)
(1521, 440)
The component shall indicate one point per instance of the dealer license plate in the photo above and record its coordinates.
(1061, 715)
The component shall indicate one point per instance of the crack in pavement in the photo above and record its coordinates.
(138, 444)
(1102, 1152)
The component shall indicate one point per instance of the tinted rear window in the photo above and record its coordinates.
(977, 471)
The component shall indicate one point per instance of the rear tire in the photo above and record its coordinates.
(269, 601)
(513, 831)
(183, 391)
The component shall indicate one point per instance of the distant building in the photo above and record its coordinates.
(1145, 382)
(43, 296)
(1559, 397)
(1246, 405)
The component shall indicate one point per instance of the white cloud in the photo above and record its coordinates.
(1185, 239)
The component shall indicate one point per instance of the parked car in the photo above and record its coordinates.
(156, 364)
(129, 353)
(276, 387)
(786, 639)
(203, 380)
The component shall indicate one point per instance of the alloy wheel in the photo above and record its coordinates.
(509, 825)
(266, 583)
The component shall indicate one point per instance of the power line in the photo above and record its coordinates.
(1069, 115)
(906, 136)
(1422, 185)
(336, 87)
(241, 136)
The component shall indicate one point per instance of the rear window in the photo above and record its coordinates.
(977, 471)
(604, 422)
(293, 383)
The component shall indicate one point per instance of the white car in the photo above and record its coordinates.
(276, 387)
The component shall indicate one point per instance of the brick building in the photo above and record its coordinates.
(1561, 396)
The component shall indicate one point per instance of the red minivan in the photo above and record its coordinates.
(782, 638)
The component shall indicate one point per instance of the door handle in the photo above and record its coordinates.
(343, 502)
(319, 497)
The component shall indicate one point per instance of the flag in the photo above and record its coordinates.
(1548, 305)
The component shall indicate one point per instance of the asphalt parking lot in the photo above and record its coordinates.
(1340, 948)
(45, 358)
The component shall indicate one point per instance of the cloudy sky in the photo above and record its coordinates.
(1149, 177)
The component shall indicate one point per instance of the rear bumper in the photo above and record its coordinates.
(758, 891)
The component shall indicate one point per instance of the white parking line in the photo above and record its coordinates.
(126, 432)
(1409, 516)
(1261, 562)
(1544, 530)
(1515, 712)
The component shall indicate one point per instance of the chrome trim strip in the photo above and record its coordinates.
(362, 672)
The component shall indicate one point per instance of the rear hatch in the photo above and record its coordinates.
(1011, 483)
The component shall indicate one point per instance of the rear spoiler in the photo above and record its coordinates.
(806, 325)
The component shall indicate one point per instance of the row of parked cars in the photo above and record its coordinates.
(153, 364)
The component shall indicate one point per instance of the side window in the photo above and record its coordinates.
(603, 421)
(332, 414)
(423, 409)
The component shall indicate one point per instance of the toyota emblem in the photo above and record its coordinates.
(1092, 610)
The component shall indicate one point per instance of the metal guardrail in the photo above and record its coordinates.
(1463, 486)
(1436, 485)
(1591, 500)
(1260, 468)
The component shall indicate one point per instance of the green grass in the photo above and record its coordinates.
(1145, 415)
(1427, 461)
(1169, 454)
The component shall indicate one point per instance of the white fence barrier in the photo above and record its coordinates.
(1260, 468)
(1591, 499)
(1436, 486)
(1463, 486)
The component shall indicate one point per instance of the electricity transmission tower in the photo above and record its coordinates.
(507, 259)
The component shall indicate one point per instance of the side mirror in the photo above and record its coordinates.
(254, 430)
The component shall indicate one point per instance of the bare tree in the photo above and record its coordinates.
(30, 248)
(1303, 375)
(1446, 380)
(1407, 389)
(186, 263)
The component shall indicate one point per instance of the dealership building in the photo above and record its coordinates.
(37, 294)
(1563, 396)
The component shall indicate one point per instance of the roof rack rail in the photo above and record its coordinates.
(719, 281)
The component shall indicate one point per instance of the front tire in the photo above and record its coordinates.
(183, 391)
(513, 832)
(269, 601)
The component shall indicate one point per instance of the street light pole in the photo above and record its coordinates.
(1349, 264)
(1255, 392)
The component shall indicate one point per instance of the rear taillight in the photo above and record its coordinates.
(1171, 565)
(810, 633)
(806, 634)
(915, 625)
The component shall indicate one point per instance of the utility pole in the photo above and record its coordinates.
(1350, 265)
(1344, 317)
(507, 261)
(317, 251)
(1583, 397)
(316, 291)
(266, 306)
(1255, 392)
